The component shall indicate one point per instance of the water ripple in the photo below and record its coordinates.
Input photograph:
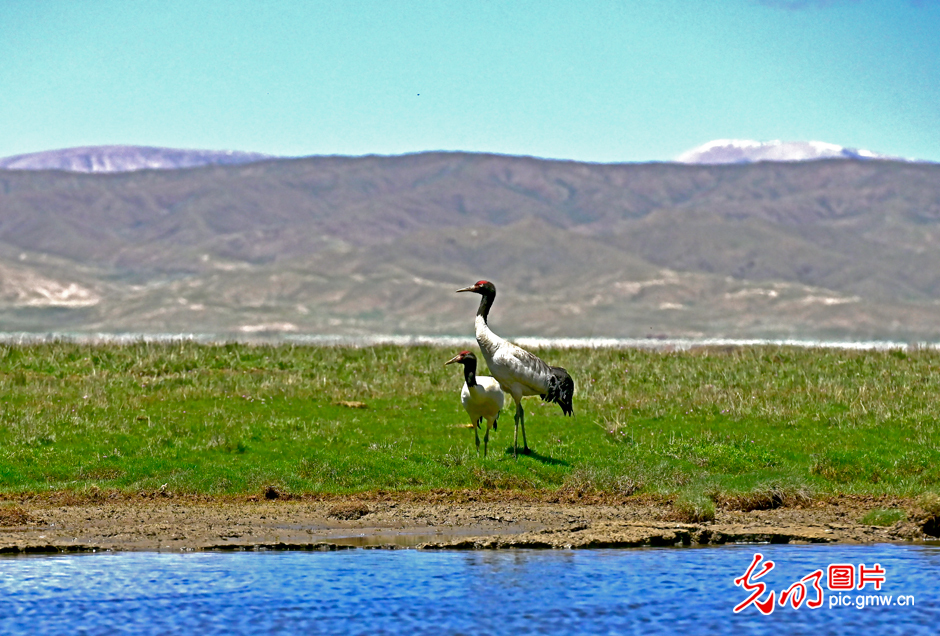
(639, 591)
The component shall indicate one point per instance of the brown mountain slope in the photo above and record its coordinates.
(352, 245)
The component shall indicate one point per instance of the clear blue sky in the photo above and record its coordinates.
(593, 80)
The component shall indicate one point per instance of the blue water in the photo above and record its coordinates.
(638, 591)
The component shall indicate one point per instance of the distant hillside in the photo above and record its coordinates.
(125, 159)
(831, 248)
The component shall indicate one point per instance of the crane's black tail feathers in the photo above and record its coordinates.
(560, 390)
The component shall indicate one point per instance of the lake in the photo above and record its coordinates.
(634, 591)
(453, 342)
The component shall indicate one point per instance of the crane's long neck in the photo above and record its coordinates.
(487, 340)
(486, 301)
(470, 373)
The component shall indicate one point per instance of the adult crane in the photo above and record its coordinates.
(481, 396)
(518, 372)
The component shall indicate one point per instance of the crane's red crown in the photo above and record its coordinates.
(483, 287)
(462, 358)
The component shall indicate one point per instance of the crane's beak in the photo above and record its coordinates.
(456, 358)
(471, 288)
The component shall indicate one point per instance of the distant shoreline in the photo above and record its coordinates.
(651, 343)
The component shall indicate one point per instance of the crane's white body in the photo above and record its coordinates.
(518, 372)
(483, 401)
(481, 396)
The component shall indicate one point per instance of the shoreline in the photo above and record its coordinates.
(651, 343)
(166, 523)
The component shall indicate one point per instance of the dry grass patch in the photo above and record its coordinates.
(14, 516)
(768, 497)
(349, 511)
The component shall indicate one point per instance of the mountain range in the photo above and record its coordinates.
(835, 249)
(133, 158)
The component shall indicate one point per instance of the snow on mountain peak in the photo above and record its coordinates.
(125, 159)
(749, 151)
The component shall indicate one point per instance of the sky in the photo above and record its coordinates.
(599, 81)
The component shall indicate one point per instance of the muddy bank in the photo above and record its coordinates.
(48, 525)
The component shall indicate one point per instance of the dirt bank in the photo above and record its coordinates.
(166, 523)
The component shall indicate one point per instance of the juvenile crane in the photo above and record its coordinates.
(518, 372)
(481, 396)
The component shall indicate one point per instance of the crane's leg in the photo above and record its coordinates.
(476, 434)
(520, 416)
(525, 446)
(486, 439)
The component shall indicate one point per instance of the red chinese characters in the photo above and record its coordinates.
(797, 592)
(874, 575)
(766, 606)
(840, 576)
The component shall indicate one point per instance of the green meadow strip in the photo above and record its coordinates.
(759, 426)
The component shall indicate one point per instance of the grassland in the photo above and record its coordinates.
(759, 425)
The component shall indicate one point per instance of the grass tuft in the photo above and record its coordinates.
(693, 507)
(884, 516)
(589, 480)
(768, 496)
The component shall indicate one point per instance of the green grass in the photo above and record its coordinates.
(757, 426)
(884, 516)
(694, 507)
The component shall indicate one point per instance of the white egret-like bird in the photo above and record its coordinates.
(481, 396)
(518, 372)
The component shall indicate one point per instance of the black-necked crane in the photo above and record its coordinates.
(481, 396)
(518, 372)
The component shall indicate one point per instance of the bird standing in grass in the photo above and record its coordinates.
(481, 396)
(518, 372)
